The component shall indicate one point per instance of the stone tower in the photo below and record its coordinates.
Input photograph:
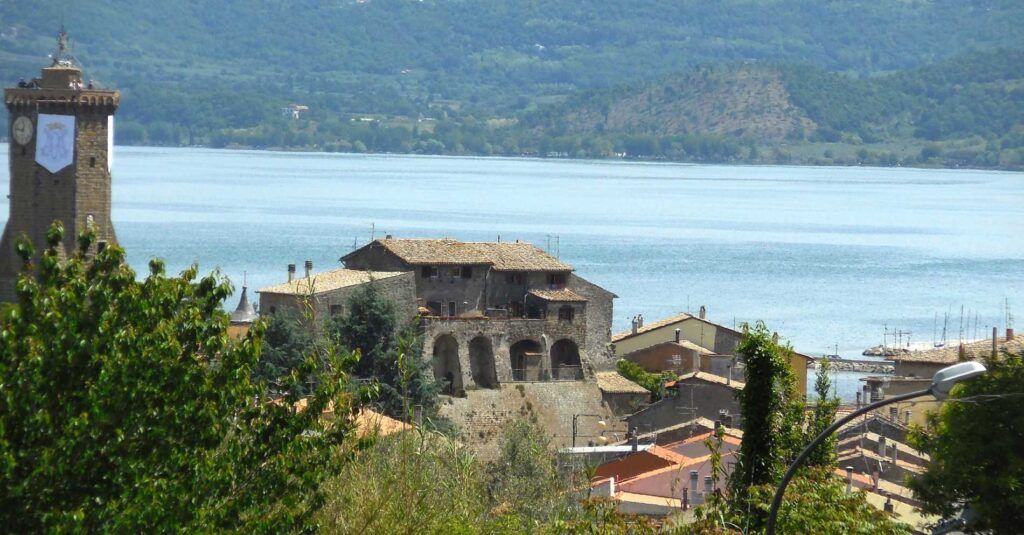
(61, 138)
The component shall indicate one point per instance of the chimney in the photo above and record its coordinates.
(906, 417)
(678, 335)
(894, 413)
(995, 344)
(709, 486)
(703, 312)
(888, 503)
(775, 337)
(894, 450)
(309, 267)
(859, 396)
(1009, 334)
(388, 237)
(849, 479)
(728, 376)
(634, 440)
(694, 491)
(686, 498)
(867, 394)
(291, 272)
(881, 447)
(636, 324)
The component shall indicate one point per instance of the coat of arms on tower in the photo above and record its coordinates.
(56, 140)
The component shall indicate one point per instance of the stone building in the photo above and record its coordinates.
(326, 294)
(694, 395)
(61, 132)
(494, 313)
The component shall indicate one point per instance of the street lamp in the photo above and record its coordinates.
(575, 418)
(942, 383)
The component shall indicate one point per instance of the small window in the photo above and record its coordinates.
(514, 278)
(92, 161)
(451, 309)
(428, 272)
(273, 310)
(337, 310)
(467, 272)
(566, 313)
(556, 279)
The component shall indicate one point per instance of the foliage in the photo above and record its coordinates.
(974, 442)
(125, 407)
(772, 412)
(525, 484)
(387, 352)
(286, 344)
(655, 382)
(824, 455)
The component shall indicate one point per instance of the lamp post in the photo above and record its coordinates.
(942, 383)
(575, 420)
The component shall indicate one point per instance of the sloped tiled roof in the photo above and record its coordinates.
(327, 281)
(707, 378)
(504, 256)
(559, 296)
(950, 354)
(652, 326)
(615, 383)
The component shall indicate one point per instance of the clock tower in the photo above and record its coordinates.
(61, 143)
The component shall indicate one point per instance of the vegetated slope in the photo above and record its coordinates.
(979, 94)
(742, 102)
(382, 55)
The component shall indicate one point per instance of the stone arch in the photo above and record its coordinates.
(447, 370)
(565, 360)
(525, 367)
(481, 362)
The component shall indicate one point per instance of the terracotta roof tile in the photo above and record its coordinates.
(559, 296)
(328, 280)
(615, 383)
(504, 256)
(950, 354)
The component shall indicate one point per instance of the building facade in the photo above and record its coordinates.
(493, 313)
(61, 142)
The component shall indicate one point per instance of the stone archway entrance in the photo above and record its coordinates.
(565, 361)
(481, 362)
(526, 356)
(446, 365)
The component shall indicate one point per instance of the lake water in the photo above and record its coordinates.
(824, 255)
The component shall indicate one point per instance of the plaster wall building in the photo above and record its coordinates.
(327, 293)
(647, 342)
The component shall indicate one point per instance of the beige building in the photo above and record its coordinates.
(326, 294)
(676, 336)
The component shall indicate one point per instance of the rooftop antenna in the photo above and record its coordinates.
(373, 229)
(355, 241)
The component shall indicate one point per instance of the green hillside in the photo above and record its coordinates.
(453, 75)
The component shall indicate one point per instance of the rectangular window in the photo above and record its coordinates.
(337, 310)
(467, 272)
(451, 308)
(428, 272)
(92, 161)
(556, 280)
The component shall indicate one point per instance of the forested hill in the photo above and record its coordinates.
(495, 76)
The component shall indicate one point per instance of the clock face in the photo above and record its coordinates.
(22, 130)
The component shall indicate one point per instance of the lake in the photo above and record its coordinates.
(826, 256)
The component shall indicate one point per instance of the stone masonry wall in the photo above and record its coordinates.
(398, 289)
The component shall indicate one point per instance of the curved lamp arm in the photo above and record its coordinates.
(777, 500)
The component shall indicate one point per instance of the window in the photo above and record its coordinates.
(451, 308)
(336, 310)
(566, 313)
(273, 310)
(514, 278)
(428, 272)
(556, 280)
(467, 272)
(92, 161)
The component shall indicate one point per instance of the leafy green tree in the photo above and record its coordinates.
(655, 382)
(125, 407)
(975, 443)
(824, 455)
(772, 412)
(286, 344)
(370, 326)
(524, 482)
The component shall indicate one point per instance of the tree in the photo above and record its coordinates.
(125, 406)
(524, 481)
(975, 443)
(286, 344)
(824, 455)
(772, 412)
(388, 352)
